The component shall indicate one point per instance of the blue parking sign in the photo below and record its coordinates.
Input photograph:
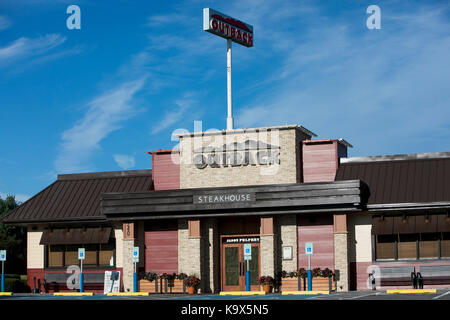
(135, 254)
(308, 248)
(247, 251)
(81, 254)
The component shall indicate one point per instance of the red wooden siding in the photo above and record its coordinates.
(317, 229)
(320, 160)
(166, 169)
(161, 247)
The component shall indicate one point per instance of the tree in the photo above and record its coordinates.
(13, 239)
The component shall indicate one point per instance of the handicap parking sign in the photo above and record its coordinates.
(135, 254)
(81, 254)
(308, 248)
(247, 251)
(2, 255)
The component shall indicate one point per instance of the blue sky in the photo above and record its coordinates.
(98, 98)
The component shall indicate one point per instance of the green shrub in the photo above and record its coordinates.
(16, 286)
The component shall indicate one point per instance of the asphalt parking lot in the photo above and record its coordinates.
(443, 294)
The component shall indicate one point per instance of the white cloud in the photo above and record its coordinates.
(105, 114)
(124, 161)
(5, 23)
(25, 47)
(175, 115)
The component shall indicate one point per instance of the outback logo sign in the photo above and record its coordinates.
(235, 154)
(227, 27)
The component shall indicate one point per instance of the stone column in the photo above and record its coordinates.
(210, 255)
(127, 253)
(189, 238)
(341, 262)
(267, 247)
(287, 229)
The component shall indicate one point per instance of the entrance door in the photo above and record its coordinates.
(234, 267)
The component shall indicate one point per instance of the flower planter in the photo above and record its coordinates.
(175, 286)
(267, 288)
(150, 286)
(291, 284)
(321, 283)
(191, 290)
(162, 286)
(300, 284)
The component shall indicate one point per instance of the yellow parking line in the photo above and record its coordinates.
(127, 294)
(411, 291)
(5, 293)
(304, 292)
(242, 293)
(74, 294)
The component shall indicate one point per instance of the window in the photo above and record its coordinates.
(407, 246)
(55, 256)
(96, 255)
(385, 246)
(429, 245)
(445, 245)
(106, 255)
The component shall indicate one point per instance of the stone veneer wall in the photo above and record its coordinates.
(128, 265)
(286, 227)
(188, 251)
(268, 250)
(341, 261)
(286, 172)
(210, 255)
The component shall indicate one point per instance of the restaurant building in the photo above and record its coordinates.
(276, 188)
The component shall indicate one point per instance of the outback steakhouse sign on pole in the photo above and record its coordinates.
(233, 30)
(227, 27)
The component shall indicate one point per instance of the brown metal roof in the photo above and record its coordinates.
(401, 181)
(76, 197)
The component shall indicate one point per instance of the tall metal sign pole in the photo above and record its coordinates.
(230, 125)
(234, 31)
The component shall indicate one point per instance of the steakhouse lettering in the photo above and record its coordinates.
(224, 198)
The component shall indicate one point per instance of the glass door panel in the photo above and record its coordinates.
(232, 266)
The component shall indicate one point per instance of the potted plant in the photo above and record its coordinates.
(191, 284)
(267, 283)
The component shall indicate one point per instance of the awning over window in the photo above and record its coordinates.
(407, 224)
(76, 236)
(383, 225)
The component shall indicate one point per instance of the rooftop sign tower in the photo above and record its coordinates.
(232, 30)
